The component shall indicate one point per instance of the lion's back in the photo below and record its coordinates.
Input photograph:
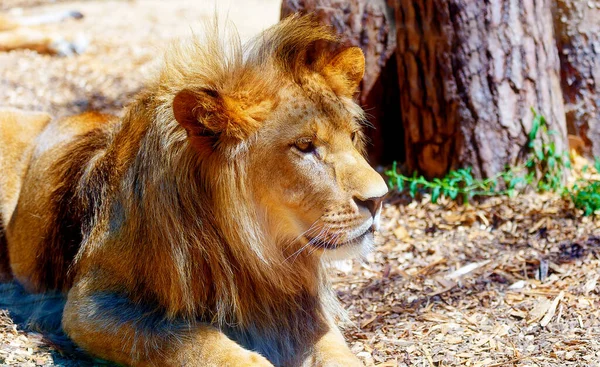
(18, 130)
(43, 228)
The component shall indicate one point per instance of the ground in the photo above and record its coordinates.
(506, 282)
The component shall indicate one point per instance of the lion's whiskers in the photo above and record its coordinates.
(333, 239)
(309, 243)
(312, 227)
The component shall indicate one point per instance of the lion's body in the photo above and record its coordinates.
(170, 246)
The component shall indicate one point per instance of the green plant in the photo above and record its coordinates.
(585, 192)
(543, 171)
(545, 165)
(456, 184)
(586, 197)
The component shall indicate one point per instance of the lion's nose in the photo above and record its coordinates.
(372, 204)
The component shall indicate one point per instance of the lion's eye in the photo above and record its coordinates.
(305, 145)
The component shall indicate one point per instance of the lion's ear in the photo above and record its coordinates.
(207, 112)
(345, 71)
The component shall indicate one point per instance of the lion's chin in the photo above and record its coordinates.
(358, 246)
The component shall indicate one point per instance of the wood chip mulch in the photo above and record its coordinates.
(508, 282)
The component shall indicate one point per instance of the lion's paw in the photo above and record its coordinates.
(247, 359)
(345, 362)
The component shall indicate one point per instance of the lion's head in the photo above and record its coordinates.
(286, 115)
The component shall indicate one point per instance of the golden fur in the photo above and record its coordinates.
(17, 130)
(194, 230)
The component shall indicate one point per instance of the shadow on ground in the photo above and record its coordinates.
(42, 314)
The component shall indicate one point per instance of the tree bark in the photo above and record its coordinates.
(368, 24)
(469, 73)
(577, 25)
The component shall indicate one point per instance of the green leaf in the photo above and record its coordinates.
(530, 163)
(535, 126)
(468, 177)
(543, 123)
(413, 189)
(400, 183)
(539, 154)
(453, 193)
(435, 194)
(552, 148)
(551, 162)
(529, 178)
(515, 181)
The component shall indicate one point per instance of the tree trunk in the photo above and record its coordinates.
(368, 24)
(469, 73)
(577, 25)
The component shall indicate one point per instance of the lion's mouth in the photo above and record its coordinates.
(327, 245)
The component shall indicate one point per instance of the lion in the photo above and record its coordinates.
(195, 229)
